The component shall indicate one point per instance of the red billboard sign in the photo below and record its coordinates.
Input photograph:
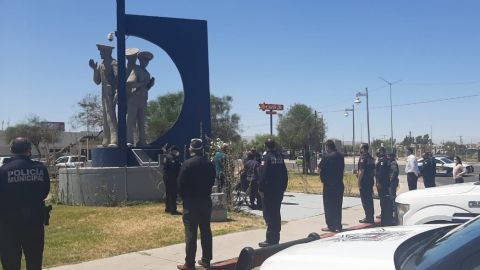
(270, 107)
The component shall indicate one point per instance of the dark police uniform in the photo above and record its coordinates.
(171, 170)
(367, 165)
(393, 175)
(382, 172)
(196, 179)
(428, 172)
(273, 181)
(251, 170)
(331, 167)
(24, 185)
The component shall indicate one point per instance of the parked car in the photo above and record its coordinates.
(450, 203)
(445, 166)
(70, 161)
(4, 160)
(420, 247)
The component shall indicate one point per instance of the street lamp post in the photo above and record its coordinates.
(358, 101)
(391, 111)
(353, 124)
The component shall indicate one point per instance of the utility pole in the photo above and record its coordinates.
(353, 124)
(357, 101)
(391, 110)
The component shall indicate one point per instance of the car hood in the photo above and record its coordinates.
(447, 190)
(452, 165)
(370, 249)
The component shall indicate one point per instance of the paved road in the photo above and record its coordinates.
(439, 180)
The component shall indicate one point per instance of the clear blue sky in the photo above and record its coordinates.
(319, 53)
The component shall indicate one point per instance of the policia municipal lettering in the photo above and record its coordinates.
(24, 185)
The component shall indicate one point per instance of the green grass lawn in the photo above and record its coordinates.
(78, 234)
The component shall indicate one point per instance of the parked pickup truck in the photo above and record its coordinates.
(455, 203)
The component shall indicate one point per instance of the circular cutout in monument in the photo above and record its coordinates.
(165, 97)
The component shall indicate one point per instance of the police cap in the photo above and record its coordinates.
(105, 48)
(131, 52)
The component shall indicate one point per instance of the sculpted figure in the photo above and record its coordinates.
(138, 84)
(106, 73)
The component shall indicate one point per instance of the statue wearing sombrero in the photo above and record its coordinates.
(106, 73)
(139, 83)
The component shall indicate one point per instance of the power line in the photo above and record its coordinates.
(428, 101)
(442, 83)
(414, 103)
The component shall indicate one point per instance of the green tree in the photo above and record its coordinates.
(259, 142)
(37, 131)
(164, 111)
(299, 128)
(224, 124)
(453, 149)
(90, 114)
(407, 141)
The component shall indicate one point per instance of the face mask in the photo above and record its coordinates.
(177, 154)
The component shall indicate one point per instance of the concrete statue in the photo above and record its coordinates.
(139, 82)
(106, 74)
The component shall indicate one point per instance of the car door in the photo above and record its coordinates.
(440, 169)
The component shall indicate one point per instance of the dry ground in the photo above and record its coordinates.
(78, 234)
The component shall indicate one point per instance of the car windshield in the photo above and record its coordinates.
(444, 246)
(446, 160)
(62, 160)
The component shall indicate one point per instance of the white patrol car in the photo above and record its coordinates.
(451, 203)
(420, 247)
(4, 160)
(444, 166)
(70, 161)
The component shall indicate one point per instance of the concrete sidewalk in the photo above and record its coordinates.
(229, 246)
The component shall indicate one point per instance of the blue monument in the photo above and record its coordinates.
(186, 42)
(118, 171)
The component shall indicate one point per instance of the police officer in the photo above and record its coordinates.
(24, 185)
(250, 168)
(428, 170)
(171, 169)
(366, 173)
(273, 181)
(382, 173)
(196, 179)
(394, 171)
(331, 168)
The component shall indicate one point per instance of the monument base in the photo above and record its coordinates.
(110, 186)
(219, 207)
(109, 157)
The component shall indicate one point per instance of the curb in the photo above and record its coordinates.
(230, 264)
